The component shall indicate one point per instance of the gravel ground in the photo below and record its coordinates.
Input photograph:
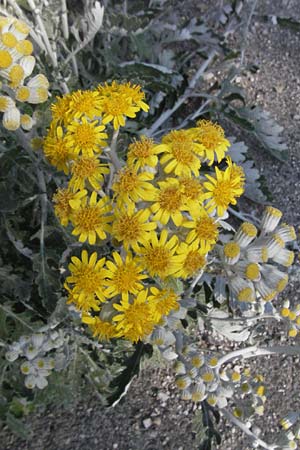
(152, 417)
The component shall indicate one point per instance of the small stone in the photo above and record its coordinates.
(163, 396)
(157, 421)
(147, 423)
(115, 445)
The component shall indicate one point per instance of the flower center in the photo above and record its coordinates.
(128, 181)
(24, 47)
(231, 249)
(193, 261)
(85, 135)
(206, 229)
(170, 199)
(128, 228)
(126, 277)
(4, 102)
(22, 94)
(192, 188)
(116, 104)
(5, 59)
(182, 151)
(9, 40)
(223, 193)
(141, 149)
(157, 259)
(16, 75)
(252, 271)
(85, 167)
(87, 280)
(88, 218)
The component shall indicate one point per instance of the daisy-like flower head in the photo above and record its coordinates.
(211, 136)
(222, 190)
(85, 137)
(91, 219)
(85, 103)
(60, 110)
(143, 153)
(135, 319)
(83, 303)
(65, 201)
(87, 276)
(157, 255)
(123, 277)
(169, 202)
(119, 101)
(131, 186)
(180, 153)
(36, 90)
(192, 190)
(87, 169)
(132, 227)
(204, 230)
(137, 96)
(56, 150)
(189, 260)
(242, 289)
(101, 329)
(163, 301)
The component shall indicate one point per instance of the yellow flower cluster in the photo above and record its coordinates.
(17, 64)
(158, 213)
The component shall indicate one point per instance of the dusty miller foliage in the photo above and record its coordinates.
(170, 55)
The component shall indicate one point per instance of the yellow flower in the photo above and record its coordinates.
(180, 153)
(222, 190)
(211, 136)
(137, 96)
(132, 227)
(131, 186)
(91, 219)
(135, 320)
(85, 136)
(87, 277)
(204, 230)
(85, 103)
(163, 301)
(192, 190)
(64, 202)
(87, 169)
(83, 303)
(143, 153)
(56, 150)
(100, 328)
(119, 101)
(60, 110)
(158, 255)
(123, 277)
(189, 259)
(168, 202)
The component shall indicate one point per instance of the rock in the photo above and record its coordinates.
(163, 396)
(147, 423)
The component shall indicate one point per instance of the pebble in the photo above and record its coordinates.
(163, 396)
(147, 423)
